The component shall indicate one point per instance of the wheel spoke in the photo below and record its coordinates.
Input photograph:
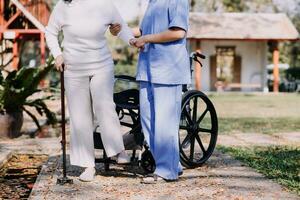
(188, 117)
(204, 130)
(192, 149)
(183, 127)
(200, 144)
(195, 109)
(186, 141)
(202, 116)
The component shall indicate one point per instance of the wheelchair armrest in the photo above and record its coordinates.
(125, 78)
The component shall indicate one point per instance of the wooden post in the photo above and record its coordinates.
(198, 68)
(276, 67)
(213, 72)
(43, 47)
(197, 73)
(2, 52)
(1, 13)
(15, 55)
(1, 18)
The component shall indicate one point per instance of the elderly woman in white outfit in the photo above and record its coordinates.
(88, 74)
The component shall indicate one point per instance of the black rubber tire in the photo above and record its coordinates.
(147, 162)
(190, 125)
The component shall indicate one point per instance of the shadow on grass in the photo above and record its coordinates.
(281, 164)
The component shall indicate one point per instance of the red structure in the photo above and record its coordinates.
(22, 20)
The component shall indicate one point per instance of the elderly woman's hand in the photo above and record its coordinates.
(59, 62)
(115, 29)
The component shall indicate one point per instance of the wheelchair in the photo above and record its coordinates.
(198, 130)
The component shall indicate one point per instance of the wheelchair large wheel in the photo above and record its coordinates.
(198, 129)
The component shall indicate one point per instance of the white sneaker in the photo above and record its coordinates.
(123, 158)
(152, 179)
(88, 174)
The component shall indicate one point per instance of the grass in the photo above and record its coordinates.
(267, 114)
(258, 125)
(281, 164)
(256, 105)
(257, 112)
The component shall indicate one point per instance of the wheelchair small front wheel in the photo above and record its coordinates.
(148, 162)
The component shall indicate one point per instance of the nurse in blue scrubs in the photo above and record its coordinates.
(163, 68)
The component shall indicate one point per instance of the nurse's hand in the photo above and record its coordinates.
(138, 42)
(59, 61)
(132, 42)
(115, 29)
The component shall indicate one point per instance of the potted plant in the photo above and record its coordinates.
(15, 90)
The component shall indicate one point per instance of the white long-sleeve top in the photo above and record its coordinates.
(84, 24)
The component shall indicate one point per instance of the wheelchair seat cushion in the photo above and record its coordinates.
(128, 99)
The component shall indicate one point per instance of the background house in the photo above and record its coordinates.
(236, 46)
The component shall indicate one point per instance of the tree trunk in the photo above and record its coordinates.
(11, 124)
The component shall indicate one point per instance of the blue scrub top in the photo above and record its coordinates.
(165, 63)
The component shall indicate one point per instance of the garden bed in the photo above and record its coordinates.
(18, 175)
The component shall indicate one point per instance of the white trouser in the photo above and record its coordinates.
(85, 94)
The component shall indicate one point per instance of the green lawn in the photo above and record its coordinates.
(257, 112)
(258, 125)
(281, 164)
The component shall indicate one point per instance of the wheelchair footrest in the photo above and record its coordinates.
(128, 138)
(98, 141)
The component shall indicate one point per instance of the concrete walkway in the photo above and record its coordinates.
(49, 146)
(221, 178)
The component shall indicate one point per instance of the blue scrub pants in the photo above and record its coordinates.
(160, 107)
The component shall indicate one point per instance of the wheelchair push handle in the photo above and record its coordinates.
(199, 55)
(195, 57)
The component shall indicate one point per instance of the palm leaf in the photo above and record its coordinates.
(41, 108)
(18, 86)
(10, 77)
(33, 118)
(1, 78)
(24, 77)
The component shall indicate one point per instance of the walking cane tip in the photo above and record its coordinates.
(64, 181)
